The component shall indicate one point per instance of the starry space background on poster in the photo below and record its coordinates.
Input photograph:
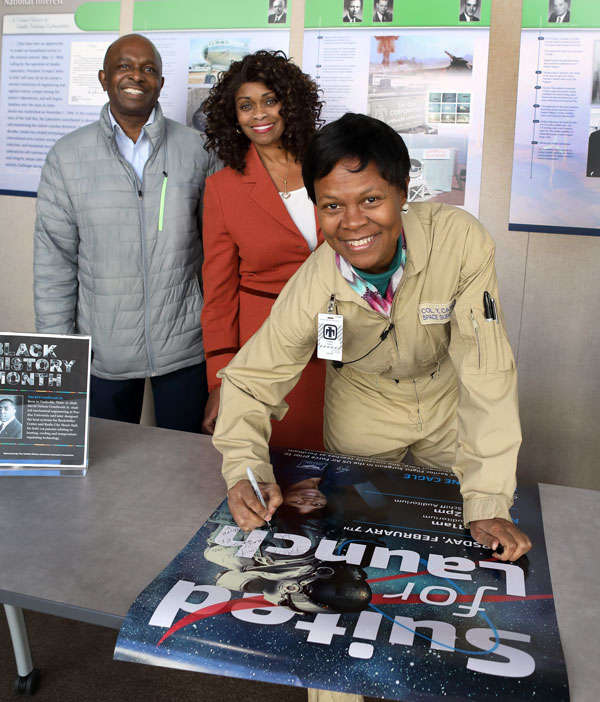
(442, 618)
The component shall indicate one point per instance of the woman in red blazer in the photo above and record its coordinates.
(259, 224)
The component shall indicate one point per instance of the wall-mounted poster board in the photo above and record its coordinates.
(420, 67)
(48, 84)
(50, 60)
(44, 404)
(556, 167)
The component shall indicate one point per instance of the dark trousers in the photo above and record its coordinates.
(179, 398)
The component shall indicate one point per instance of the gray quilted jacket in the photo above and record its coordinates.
(112, 261)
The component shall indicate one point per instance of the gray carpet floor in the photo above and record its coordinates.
(76, 665)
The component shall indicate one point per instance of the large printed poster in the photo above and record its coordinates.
(556, 168)
(420, 68)
(50, 61)
(365, 582)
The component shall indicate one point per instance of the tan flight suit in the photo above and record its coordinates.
(442, 382)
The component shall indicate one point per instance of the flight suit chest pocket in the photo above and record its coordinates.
(434, 318)
(486, 345)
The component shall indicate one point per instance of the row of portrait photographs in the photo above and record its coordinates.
(11, 418)
(383, 10)
(559, 11)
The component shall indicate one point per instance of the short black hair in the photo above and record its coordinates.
(356, 136)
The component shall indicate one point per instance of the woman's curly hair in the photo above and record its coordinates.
(297, 92)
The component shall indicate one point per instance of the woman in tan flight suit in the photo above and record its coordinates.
(425, 362)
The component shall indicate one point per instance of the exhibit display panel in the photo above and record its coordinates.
(556, 167)
(49, 73)
(423, 71)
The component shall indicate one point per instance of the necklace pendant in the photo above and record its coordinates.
(285, 195)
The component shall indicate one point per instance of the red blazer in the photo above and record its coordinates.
(251, 249)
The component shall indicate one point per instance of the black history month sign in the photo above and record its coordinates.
(366, 583)
(44, 390)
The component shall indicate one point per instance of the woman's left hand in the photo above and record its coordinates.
(211, 411)
(500, 532)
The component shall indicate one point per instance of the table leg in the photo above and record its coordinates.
(329, 696)
(20, 642)
(28, 677)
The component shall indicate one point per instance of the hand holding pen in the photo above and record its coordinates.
(252, 504)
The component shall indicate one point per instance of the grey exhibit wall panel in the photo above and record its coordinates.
(559, 350)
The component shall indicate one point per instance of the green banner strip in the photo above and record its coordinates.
(98, 16)
(254, 14)
(181, 14)
(583, 14)
(413, 13)
(195, 14)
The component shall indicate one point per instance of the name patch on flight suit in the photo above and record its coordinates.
(435, 312)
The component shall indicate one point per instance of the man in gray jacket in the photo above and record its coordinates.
(118, 249)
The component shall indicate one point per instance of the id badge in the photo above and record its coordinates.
(331, 334)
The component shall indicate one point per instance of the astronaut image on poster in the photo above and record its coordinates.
(365, 582)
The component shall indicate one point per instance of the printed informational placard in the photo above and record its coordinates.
(365, 582)
(48, 84)
(50, 61)
(556, 167)
(419, 67)
(44, 408)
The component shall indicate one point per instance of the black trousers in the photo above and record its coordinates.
(179, 398)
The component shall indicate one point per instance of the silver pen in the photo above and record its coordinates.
(255, 487)
(494, 311)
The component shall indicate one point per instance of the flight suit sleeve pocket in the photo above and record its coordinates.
(485, 344)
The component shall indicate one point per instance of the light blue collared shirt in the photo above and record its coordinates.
(135, 153)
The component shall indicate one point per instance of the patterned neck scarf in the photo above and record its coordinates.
(368, 292)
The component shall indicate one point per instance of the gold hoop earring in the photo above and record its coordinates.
(237, 129)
